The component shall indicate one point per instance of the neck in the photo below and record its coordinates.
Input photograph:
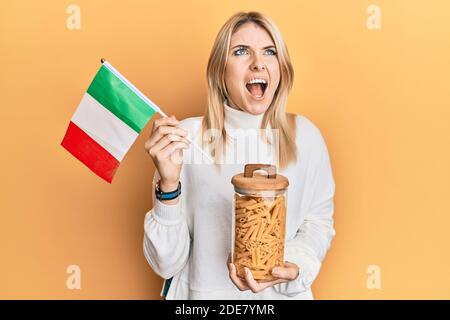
(237, 119)
(244, 130)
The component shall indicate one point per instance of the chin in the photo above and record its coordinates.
(256, 111)
(257, 108)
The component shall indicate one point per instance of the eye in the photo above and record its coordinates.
(271, 52)
(240, 51)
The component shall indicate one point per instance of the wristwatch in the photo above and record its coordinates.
(167, 195)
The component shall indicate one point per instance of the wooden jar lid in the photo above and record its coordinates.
(250, 181)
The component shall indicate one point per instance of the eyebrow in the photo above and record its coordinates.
(245, 46)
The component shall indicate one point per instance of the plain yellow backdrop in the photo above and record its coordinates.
(381, 99)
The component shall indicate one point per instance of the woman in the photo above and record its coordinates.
(188, 238)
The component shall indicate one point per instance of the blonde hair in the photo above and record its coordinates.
(275, 115)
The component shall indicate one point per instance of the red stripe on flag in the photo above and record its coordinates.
(88, 151)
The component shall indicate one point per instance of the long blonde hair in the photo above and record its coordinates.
(275, 115)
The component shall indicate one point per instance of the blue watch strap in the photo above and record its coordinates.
(167, 195)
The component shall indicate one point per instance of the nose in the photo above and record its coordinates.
(257, 65)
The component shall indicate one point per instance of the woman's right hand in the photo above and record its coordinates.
(165, 146)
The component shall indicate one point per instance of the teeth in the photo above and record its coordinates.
(257, 81)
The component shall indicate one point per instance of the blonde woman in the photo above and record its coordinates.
(188, 232)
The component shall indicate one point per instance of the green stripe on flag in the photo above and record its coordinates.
(118, 98)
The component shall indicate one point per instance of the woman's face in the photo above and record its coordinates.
(252, 73)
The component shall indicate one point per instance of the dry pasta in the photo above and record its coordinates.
(259, 235)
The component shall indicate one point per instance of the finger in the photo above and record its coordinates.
(161, 132)
(164, 142)
(175, 137)
(289, 271)
(239, 283)
(171, 148)
(265, 285)
(164, 122)
(251, 282)
(255, 286)
(164, 130)
(177, 157)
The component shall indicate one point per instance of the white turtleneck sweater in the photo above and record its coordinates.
(189, 242)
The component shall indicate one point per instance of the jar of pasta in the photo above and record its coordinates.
(259, 220)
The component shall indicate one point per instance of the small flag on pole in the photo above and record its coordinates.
(108, 120)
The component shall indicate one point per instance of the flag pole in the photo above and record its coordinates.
(147, 100)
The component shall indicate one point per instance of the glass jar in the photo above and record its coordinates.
(259, 221)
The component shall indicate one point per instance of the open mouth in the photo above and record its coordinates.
(256, 88)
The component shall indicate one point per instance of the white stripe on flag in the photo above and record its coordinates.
(104, 127)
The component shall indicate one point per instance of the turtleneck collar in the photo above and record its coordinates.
(237, 119)
(235, 123)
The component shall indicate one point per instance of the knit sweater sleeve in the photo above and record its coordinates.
(309, 246)
(166, 236)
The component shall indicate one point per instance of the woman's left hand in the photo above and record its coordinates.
(283, 274)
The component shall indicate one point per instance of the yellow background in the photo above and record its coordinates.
(380, 97)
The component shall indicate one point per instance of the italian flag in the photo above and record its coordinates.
(108, 120)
